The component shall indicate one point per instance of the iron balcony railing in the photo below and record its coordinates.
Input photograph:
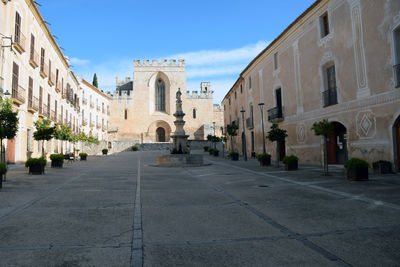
(275, 114)
(18, 93)
(19, 42)
(84, 122)
(34, 58)
(33, 103)
(84, 101)
(397, 75)
(44, 70)
(250, 123)
(329, 97)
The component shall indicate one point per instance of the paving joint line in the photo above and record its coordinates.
(136, 259)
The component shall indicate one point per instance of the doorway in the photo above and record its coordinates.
(337, 144)
(11, 151)
(243, 144)
(282, 150)
(160, 134)
(396, 145)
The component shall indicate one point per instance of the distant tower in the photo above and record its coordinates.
(205, 87)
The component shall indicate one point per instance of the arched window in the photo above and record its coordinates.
(160, 95)
(194, 113)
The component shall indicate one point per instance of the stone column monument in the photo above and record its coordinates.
(179, 137)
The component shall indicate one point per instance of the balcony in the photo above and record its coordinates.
(84, 122)
(396, 69)
(52, 78)
(84, 101)
(18, 95)
(91, 105)
(275, 115)
(250, 123)
(44, 70)
(58, 86)
(34, 59)
(33, 105)
(98, 108)
(91, 124)
(19, 42)
(329, 97)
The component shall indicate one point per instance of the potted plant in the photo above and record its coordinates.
(291, 162)
(324, 128)
(205, 148)
(83, 156)
(211, 151)
(105, 151)
(234, 155)
(264, 159)
(357, 169)
(3, 171)
(215, 152)
(277, 135)
(382, 167)
(135, 148)
(44, 131)
(36, 165)
(231, 131)
(57, 160)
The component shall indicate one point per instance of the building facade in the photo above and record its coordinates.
(338, 61)
(142, 109)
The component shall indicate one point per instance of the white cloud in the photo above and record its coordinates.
(211, 71)
(78, 62)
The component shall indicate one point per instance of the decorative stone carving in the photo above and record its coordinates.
(301, 133)
(366, 124)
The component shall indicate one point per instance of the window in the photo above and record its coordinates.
(126, 114)
(324, 24)
(229, 101)
(250, 83)
(330, 93)
(83, 114)
(90, 119)
(40, 100)
(276, 63)
(48, 104)
(397, 56)
(160, 95)
(241, 89)
(32, 51)
(50, 70)
(235, 94)
(30, 92)
(42, 54)
(62, 113)
(278, 99)
(15, 76)
(17, 37)
(194, 113)
(57, 78)
(206, 88)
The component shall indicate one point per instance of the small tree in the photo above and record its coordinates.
(231, 129)
(63, 133)
(277, 135)
(44, 131)
(95, 83)
(8, 124)
(324, 128)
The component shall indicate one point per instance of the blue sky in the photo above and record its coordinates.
(217, 38)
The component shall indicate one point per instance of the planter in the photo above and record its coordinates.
(1, 180)
(56, 164)
(104, 153)
(265, 162)
(83, 158)
(358, 174)
(205, 148)
(36, 169)
(292, 166)
(382, 167)
(235, 157)
(210, 152)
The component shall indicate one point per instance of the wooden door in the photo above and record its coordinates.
(331, 148)
(398, 144)
(10, 151)
(282, 150)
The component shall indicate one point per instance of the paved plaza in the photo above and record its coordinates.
(121, 210)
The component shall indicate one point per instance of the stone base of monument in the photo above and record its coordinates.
(180, 160)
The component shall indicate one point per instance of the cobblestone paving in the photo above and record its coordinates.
(120, 210)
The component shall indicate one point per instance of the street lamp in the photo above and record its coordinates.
(244, 136)
(262, 124)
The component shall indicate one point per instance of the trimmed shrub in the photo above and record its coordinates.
(290, 159)
(83, 154)
(57, 157)
(356, 163)
(33, 161)
(135, 148)
(3, 168)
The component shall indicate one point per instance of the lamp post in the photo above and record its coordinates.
(244, 136)
(262, 125)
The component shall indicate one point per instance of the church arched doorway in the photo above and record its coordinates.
(396, 143)
(160, 134)
(337, 144)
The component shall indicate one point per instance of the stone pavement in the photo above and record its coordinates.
(119, 210)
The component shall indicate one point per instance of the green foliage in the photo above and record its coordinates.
(95, 83)
(104, 150)
(33, 161)
(276, 134)
(135, 148)
(3, 168)
(57, 157)
(206, 148)
(62, 132)
(83, 154)
(223, 139)
(356, 163)
(213, 138)
(8, 120)
(263, 156)
(209, 137)
(231, 129)
(233, 154)
(92, 140)
(44, 130)
(323, 127)
(290, 159)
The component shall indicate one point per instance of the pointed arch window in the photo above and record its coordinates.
(160, 95)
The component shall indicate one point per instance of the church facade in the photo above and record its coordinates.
(142, 109)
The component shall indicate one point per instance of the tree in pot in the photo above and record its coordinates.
(291, 162)
(357, 169)
(36, 165)
(233, 155)
(264, 159)
(276, 135)
(62, 133)
(8, 125)
(231, 130)
(83, 156)
(57, 160)
(211, 151)
(3, 171)
(325, 129)
(44, 132)
(105, 151)
(215, 152)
